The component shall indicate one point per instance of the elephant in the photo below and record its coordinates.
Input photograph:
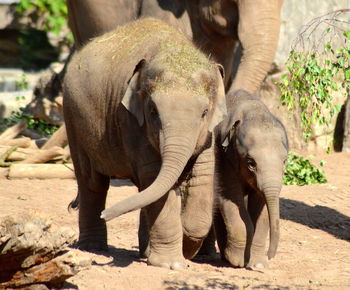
(252, 148)
(241, 35)
(141, 102)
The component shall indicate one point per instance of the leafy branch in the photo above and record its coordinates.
(300, 171)
(318, 66)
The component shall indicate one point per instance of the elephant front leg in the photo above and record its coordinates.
(197, 214)
(165, 232)
(259, 215)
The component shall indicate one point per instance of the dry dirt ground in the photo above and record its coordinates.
(314, 250)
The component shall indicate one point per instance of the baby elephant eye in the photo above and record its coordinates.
(251, 164)
(153, 111)
(205, 112)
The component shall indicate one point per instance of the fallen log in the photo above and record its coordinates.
(23, 142)
(14, 131)
(34, 251)
(42, 156)
(59, 138)
(32, 156)
(41, 171)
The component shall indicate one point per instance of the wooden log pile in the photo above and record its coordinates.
(25, 157)
(34, 254)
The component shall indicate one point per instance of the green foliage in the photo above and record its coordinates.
(53, 12)
(43, 128)
(300, 171)
(22, 84)
(311, 80)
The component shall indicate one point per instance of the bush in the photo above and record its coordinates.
(300, 171)
(316, 69)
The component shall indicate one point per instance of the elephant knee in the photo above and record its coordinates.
(197, 228)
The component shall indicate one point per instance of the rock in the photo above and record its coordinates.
(34, 251)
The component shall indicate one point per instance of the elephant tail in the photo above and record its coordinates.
(74, 204)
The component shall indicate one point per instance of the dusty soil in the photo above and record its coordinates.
(314, 250)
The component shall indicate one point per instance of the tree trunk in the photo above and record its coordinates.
(346, 138)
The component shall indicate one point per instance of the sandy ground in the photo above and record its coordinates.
(314, 251)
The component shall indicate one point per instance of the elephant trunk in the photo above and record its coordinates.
(271, 192)
(175, 154)
(258, 33)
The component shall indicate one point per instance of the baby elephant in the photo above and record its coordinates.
(141, 102)
(250, 165)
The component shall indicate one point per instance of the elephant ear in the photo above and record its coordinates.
(228, 132)
(220, 111)
(132, 101)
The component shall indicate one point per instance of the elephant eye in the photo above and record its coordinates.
(205, 112)
(153, 111)
(251, 164)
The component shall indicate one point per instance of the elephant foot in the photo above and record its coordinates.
(92, 245)
(191, 246)
(235, 256)
(259, 261)
(166, 261)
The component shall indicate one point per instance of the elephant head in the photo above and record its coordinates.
(257, 145)
(177, 103)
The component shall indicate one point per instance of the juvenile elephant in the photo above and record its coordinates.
(241, 35)
(250, 165)
(140, 102)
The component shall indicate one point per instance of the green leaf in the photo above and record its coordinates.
(300, 171)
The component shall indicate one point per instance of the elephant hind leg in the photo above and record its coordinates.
(220, 233)
(143, 235)
(91, 198)
(208, 248)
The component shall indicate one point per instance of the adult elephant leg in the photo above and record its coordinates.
(165, 232)
(90, 18)
(260, 218)
(197, 214)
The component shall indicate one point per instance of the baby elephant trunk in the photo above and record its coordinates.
(271, 191)
(175, 154)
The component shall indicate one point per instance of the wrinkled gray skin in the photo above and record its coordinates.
(241, 35)
(131, 112)
(250, 165)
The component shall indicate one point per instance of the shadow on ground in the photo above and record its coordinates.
(316, 217)
(216, 283)
(121, 257)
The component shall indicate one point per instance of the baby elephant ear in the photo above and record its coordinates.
(132, 101)
(227, 131)
(220, 112)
